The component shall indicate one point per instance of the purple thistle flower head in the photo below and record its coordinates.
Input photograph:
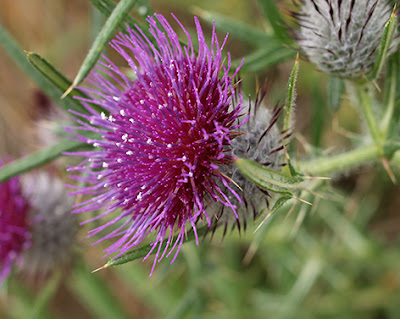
(167, 134)
(14, 225)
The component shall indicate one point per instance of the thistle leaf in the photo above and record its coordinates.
(95, 294)
(106, 7)
(291, 97)
(143, 251)
(237, 29)
(57, 79)
(267, 178)
(273, 15)
(38, 158)
(117, 16)
(45, 295)
(390, 119)
(265, 58)
(334, 92)
(386, 41)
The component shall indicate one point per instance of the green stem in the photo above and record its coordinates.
(390, 96)
(327, 165)
(45, 295)
(364, 99)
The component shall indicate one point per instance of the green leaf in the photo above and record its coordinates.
(117, 16)
(352, 237)
(264, 58)
(185, 304)
(57, 79)
(334, 92)
(390, 119)
(106, 7)
(291, 97)
(19, 57)
(386, 41)
(141, 252)
(22, 302)
(94, 294)
(267, 178)
(45, 295)
(237, 29)
(273, 15)
(262, 228)
(318, 116)
(38, 158)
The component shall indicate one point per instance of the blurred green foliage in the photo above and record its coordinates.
(335, 259)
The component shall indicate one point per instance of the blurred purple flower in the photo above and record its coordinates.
(166, 135)
(14, 225)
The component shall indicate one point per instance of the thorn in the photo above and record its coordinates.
(236, 184)
(259, 216)
(264, 220)
(68, 91)
(101, 268)
(285, 150)
(302, 200)
(291, 210)
(250, 254)
(337, 128)
(388, 170)
(377, 86)
(316, 177)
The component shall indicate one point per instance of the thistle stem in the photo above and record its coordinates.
(328, 165)
(365, 103)
(387, 120)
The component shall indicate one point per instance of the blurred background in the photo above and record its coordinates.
(335, 259)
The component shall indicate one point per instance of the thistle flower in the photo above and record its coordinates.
(342, 37)
(164, 141)
(262, 142)
(14, 225)
(53, 227)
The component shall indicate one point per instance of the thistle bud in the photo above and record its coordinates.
(53, 227)
(342, 37)
(260, 140)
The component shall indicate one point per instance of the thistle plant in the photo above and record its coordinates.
(166, 140)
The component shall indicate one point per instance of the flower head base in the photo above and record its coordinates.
(14, 225)
(342, 37)
(262, 142)
(164, 140)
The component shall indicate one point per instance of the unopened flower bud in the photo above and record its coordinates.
(342, 37)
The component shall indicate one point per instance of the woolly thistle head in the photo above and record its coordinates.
(15, 237)
(53, 227)
(164, 140)
(342, 37)
(260, 141)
